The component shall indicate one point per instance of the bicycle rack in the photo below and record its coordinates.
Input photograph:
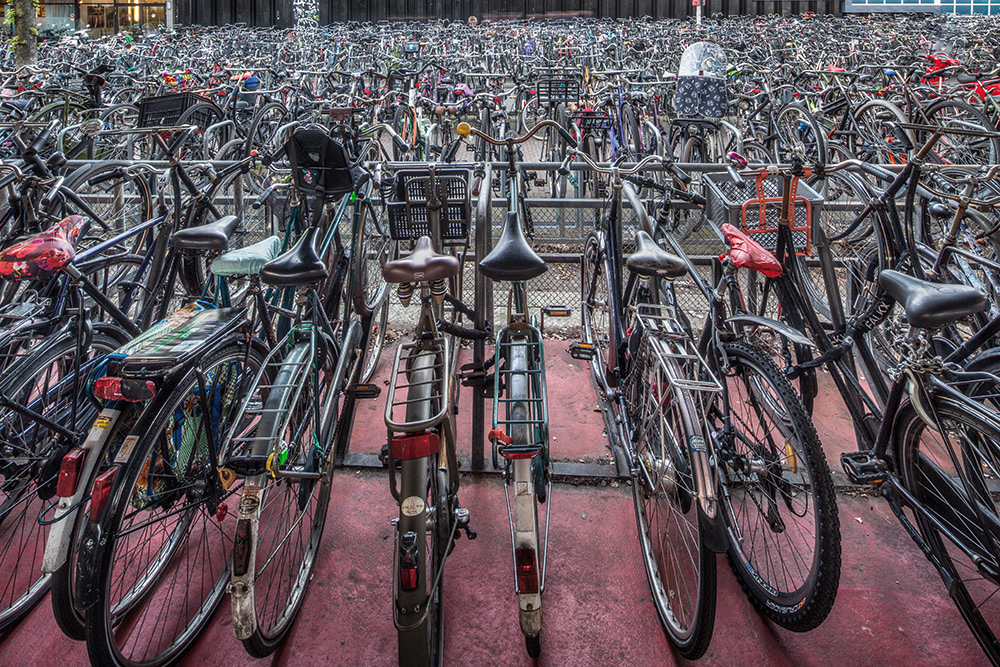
(669, 342)
(406, 355)
(533, 421)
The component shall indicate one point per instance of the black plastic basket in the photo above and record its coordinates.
(166, 110)
(557, 91)
(408, 204)
(592, 120)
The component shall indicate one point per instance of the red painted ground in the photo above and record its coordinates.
(891, 609)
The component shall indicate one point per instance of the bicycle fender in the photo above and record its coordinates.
(785, 330)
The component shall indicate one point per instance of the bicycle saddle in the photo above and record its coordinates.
(940, 211)
(43, 254)
(300, 265)
(512, 258)
(211, 236)
(747, 253)
(421, 265)
(650, 259)
(18, 103)
(929, 305)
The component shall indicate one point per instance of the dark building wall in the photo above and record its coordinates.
(279, 12)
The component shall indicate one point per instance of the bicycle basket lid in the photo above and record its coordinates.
(320, 164)
(704, 59)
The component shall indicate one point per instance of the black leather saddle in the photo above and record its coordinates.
(212, 236)
(651, 260)
(300, 265)
(421, 265)
(512, 258)
(931, 305)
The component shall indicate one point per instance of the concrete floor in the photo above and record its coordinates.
(891, 608)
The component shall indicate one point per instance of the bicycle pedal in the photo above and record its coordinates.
(580, 350)
(863, 468)
(365, 390)
(539, 182)
(557, 311)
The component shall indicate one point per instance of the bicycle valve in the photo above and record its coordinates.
(438, 289)
(404, 292)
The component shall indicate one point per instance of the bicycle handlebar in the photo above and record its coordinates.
(464, 129)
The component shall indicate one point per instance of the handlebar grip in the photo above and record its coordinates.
(680, 174)
(698, 199)
(113, 174)
(400, 144)
(568, 137)
(43, 136)
(878, 172)
(263, 197)
(477, 184)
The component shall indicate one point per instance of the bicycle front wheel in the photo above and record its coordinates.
(679, 565)
(784, 534)
(948, 475)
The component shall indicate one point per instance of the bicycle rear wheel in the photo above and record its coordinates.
(165, 563)
(680, 567)
(784, 535)
(420, 548)
(45, 382)
(949, 477)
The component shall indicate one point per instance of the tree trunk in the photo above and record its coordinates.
(25, 33)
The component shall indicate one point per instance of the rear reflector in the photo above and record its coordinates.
(415, 445)
(101, 490)
(123, 389)
(69, 472)
(527, 569)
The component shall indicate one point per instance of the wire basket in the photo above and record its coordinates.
(740, 203)
(407, 204)
(166, 110)
(592, 120)
(557, 91)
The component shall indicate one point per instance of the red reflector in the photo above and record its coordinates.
(115, 389)
(527, 569)
(508, 454)
(415, 445)
(69, 472)
(108, 389)
(497, 99)
(408, 578)
(100, 492)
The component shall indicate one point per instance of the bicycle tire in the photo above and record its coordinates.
(666, 506)
(38, 380)
(522, 472)
(421, 644)
(914, 466)
(297, 498)
(951, 113)
(595, 313)
(799, 135)
(69, 617)
(798, 591)
(148, 478)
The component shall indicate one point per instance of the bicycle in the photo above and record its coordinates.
(419, 414)
(641, 352)
(520, 436)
